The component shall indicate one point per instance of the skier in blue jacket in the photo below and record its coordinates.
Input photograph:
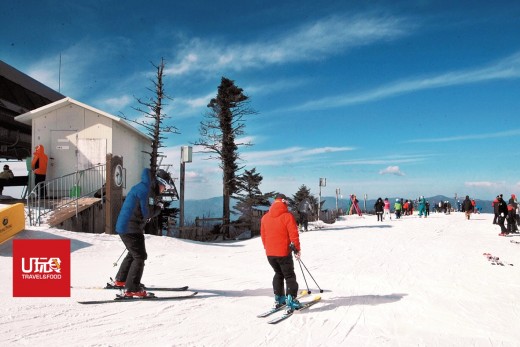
(422, 207)
(139, 207)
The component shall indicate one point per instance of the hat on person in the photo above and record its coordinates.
(280, 196)
(163, 177)
(6, 167)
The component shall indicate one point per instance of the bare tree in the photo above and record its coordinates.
(152, 109)
(218, 136)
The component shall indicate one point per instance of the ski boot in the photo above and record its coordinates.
(138, 294)
(279, 301)
(292, 303)
(120, 284)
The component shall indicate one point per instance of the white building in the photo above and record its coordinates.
(77, 136)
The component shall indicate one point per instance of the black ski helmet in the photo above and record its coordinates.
(162, 177)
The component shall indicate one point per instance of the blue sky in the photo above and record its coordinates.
(384, 98)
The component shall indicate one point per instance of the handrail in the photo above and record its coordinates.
(63, 191)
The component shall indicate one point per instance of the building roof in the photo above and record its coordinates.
(24, 91)
(27, 117)
(19, 93)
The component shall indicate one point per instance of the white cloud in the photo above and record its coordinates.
(482, 184)
(289, 155)
(508, 68)
(309, 42)
(392, 170)
(510, 133)
(386, 160)
(118, 102)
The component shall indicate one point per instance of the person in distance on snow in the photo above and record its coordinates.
(304, 209)
(422, 206)
(7, 174)
(378, 207)
(139, 206)
(502, 213)
(278, 230)
(397, 208)
(495, 209)
(467, 207)
(386, 209)
(511, 215)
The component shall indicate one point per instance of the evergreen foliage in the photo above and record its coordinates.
(218, 136)
(249, 194)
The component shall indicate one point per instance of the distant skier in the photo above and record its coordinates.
(139, 206)
(397, 208)
(467, 207)
(495, 209)
(386, 210)
(422, 207)
(355, 205)
(511, 215)
(304, 209)
(502, 213)
(406, 207)
(278, 230)
(378, 207)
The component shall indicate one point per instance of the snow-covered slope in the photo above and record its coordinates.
(398, 283)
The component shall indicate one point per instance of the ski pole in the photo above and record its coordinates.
(301, 262)
(115, 264)
(308, 290)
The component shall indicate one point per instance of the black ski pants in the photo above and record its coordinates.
(132, 267)
(511, 223)
(304, 220)
(283, 270)
(501, 221)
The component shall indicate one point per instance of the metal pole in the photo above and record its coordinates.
(319, 202)
(186, 156)
(181, 195)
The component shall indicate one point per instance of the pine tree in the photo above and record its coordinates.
(224, 123)
(249, 194)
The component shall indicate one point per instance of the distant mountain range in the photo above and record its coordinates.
(212, 208)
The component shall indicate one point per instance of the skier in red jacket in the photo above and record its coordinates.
(278, 230)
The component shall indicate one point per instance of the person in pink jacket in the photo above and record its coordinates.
(386, 210)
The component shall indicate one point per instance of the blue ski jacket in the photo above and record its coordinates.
(138, 207)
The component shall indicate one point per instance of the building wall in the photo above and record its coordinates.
(63, 132)
(131, 149)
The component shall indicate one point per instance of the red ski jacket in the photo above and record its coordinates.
(278, 229)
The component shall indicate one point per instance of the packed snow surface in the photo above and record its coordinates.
(407, 282)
